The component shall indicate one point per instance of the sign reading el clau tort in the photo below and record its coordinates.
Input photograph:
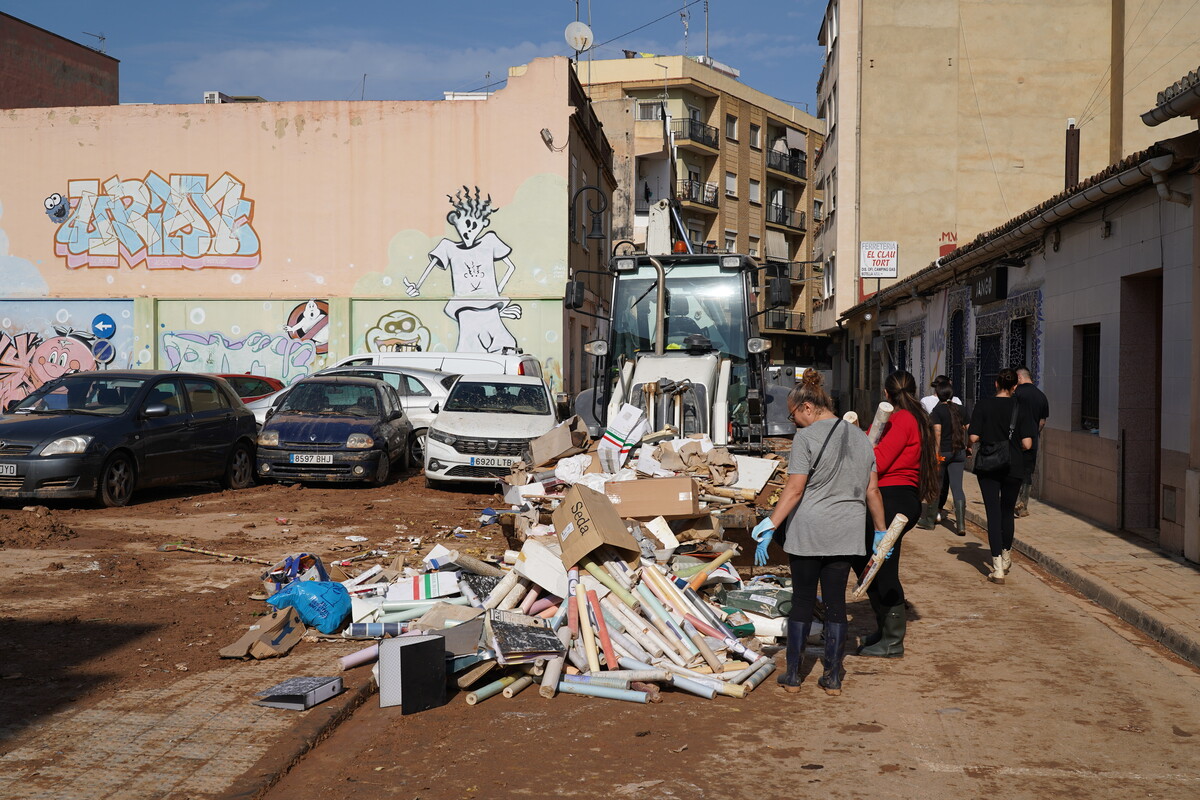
(990, 286)
(878, 260)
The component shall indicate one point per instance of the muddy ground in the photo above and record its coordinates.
(92, 606)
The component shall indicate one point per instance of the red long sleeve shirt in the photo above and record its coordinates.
(898, 454)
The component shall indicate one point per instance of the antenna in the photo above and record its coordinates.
(363, 94)
(684, 15)
(100, 36)
(706, 28)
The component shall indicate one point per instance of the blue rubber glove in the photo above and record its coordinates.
(879, 538)
(762, 533)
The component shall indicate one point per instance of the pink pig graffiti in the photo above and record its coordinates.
(58, 356)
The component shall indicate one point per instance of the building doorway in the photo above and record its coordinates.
(1139, 402)
(989, 361)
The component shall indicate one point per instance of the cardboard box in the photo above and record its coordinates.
(565, 439)
(671, 498)
(586, 520)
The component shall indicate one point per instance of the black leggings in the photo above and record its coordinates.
(886, 589)
(1000, 502)
(832, 572)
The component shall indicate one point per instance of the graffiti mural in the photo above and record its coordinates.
(476, 303)
(309, 322)
(397, 332)
(259, 353)
(181, 223)
(39, 341)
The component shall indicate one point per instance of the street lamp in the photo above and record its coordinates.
(597, 212)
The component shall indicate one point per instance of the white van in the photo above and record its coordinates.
(461, 363)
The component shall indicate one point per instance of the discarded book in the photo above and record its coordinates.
(299, 694)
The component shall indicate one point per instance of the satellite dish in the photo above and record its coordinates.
(579, 36)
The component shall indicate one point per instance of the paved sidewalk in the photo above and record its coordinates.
(1156, 593)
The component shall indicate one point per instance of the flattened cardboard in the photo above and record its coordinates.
(272, 636)
(647, 498)
(586, 520)
(565, 439)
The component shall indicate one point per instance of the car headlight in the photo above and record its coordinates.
(442, 436)
(67, 446)
(268, 439)
(359, 441)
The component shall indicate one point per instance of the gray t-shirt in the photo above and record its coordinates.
(831, 518)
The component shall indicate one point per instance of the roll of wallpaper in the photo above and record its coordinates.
(517, 686)
(360, 657)
(882, 413)
(490, 690)
(604, 691)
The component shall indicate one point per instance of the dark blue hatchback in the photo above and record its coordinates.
(335, 428)
(106, 434)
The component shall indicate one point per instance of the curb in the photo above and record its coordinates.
(310, 731)
(1125, 606)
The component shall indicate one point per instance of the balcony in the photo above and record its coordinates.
(783, 320)
(692, 131)
(786, 217)
(790, 165)
(704, 194)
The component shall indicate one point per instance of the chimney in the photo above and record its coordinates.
(1071, 170)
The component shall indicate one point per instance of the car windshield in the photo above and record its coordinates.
(82, 394)
(498, 396)
(345, 399)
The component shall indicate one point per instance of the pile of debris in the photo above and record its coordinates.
(620, 584)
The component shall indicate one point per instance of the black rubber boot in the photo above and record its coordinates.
(891, 644)
(797, 636)
(928, 520)
(835, 653)
(960, 519)
(878, 634)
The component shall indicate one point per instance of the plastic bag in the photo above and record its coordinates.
(323, 605)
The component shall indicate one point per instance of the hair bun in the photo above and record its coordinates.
(811, 378)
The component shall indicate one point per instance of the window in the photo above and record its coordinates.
(830, 282)
(204, 396)
(755, 136)
(695, 236)
(574, 186)
(731, 127)
(417, 389)
(1018, 342)
(649, 109)
(731, 184)
(753, 249)
(1087, 338)
(169, 394)
(731, 241)
(755, 191)
(694, 114)
(579, 222)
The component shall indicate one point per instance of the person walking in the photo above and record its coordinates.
(931, 515)
(1034, 403)
(822, 509)
(950, 434)
(906, 462)
(1001, 435)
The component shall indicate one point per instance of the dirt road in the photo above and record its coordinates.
(1015, 691)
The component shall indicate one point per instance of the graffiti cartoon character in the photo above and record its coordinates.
(59, 355)
(310, 322)
(397, 332)
(476, 304)
(58, 208)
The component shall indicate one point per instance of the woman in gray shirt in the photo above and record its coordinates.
(823, 507)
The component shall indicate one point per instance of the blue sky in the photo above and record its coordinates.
(172, 52)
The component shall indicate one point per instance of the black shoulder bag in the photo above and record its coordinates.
(821, 452)
(993, 457)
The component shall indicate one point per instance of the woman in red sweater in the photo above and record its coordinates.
(906, 462)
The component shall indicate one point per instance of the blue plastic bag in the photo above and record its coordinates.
(323, 605)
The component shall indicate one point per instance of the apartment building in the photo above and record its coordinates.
(946, 117)
(736, 161)
(40, 69)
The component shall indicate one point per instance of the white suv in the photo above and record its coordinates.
(461, 363)
(484, 426)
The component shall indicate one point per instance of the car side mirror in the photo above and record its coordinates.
(156, 410)
(573, 297)
(779, 292)
(435, 406)
(396, 415)
(10, 405)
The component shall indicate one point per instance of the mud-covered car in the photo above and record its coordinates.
(335, 428)
(107, 434)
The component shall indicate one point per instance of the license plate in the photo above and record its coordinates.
(492, 461)
(8, 469)
(312, 458)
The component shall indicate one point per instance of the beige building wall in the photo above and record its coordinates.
(278, 237)
(956, 120)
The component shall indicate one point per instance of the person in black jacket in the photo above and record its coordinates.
(1034, 403)
(994, 420)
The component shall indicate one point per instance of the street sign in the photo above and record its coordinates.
(878, 260)
(103, 326)
(990, 286)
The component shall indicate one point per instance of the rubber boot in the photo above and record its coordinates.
(960, 518)
(878, 608)
(928, 515)
(1022, 509)
(891, 644)
(835, 653)
(998, 570)
(1006, 558)
(797, 637)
